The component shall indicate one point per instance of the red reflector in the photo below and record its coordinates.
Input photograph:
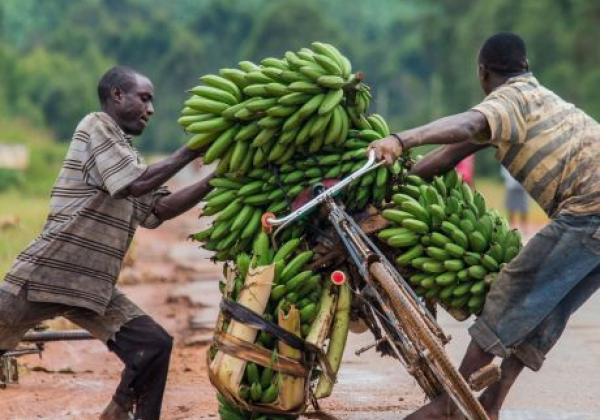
(338, 277)
(268, 228)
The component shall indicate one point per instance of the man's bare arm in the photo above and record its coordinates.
(444, 158)
(181, 201)
(158, 173)
(449, 130)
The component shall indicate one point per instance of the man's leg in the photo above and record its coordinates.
(493, 397)
(18, 315)
(532, 351)
(527, 291)
(443, 407)
(142, 345)
(145, 348)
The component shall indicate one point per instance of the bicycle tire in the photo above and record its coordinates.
(421, 372)
(412, 319)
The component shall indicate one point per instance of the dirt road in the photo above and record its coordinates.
(174, 283)
(75, 380)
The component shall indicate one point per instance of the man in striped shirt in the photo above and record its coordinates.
(553, 149)
(103, 192)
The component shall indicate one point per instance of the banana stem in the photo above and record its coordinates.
(350, 88)
(337, 342)
(291, 388)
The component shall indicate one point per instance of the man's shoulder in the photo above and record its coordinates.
(99, 124)
(516, 86)
(517, 91)
(94, 119)
(526, 81)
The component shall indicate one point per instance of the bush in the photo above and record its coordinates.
(44, 165)
(10, 178)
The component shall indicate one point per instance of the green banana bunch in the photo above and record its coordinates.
(228, 411)
(276, 128)
(256, 114)
(295, 284)
(239, 202)
(448, 240)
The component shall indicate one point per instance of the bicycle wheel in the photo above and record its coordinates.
(405, 349)
(418, 330)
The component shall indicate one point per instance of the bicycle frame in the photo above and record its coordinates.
(364, 255)
(319, 199)
(9, 372)
(375, 268)
(339, 217)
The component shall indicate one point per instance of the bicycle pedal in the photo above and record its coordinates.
(364, 349)
(484, 377)
(369, 347)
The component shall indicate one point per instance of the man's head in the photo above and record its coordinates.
(502, 56)
(126, 96)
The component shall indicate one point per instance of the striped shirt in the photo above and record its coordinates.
(551, 147)
(77, 258)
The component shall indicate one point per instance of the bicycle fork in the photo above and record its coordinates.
(369, 259)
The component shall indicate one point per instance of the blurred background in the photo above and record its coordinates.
(419, 57)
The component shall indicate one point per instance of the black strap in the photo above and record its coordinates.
(249, 317)
(252, 319)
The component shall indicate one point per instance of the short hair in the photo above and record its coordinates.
(121, 77)
(504, 54)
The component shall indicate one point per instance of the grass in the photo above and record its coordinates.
(31, 211)
(45, 155)
(28, 198)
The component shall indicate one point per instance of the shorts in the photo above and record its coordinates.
(527, 308)
(18, 315)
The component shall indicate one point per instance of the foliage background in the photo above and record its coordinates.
(418, 55)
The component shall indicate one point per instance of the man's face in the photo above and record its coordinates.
(134, 108)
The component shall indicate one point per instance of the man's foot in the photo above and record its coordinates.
(442, 408)
(115, 412)
(489, 406)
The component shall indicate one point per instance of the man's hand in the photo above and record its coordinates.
(448, 130)
(181, 201)
(158, 173)
(388, 149)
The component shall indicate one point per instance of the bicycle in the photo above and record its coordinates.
(401, 323)
(9, 368)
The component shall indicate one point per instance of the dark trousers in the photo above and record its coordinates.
(142, 344)
(527, 308)
(145, 349)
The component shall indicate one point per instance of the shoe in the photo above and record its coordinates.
(115, 412)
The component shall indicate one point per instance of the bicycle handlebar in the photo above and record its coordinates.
(286, 220)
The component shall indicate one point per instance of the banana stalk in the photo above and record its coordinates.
(337, 342)
(322, 323)
(255, 295)
(291, 388)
